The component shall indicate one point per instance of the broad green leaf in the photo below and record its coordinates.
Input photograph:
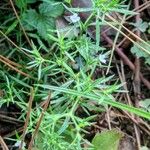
(33, 20)
(140, 53)
(51, 10)
(44, 24)
(40, 42)
(107, 140)
(145, 104)
(30, 19)
(141, 25)
(43, 21)
(23, 3)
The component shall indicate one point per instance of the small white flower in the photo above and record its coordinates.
(74, 18)
(18, 143)
(102, 58)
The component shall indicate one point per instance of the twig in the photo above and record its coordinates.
(123, 79)
(27, 117)
(39, 122)
(131, 116)
(108, 118)
(9, 61)
(137, 123)
(3, 144)
(137, 81)
(148, 8)
(126, 60)
(9, 119)
(139, 9)
(14, 132)
(14, 43)
(14, 68)
(13, 7)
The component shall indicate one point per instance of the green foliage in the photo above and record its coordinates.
(44, 20)
(100, 97)
(38, 60)
(107, 140)
(66, 67)
(106, 4)
(51, 9)
(141, 25)
(140, 53)
(68, 1)
(22, 4)
(145, 104)
(144, 148)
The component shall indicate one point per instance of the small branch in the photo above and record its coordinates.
(3, 144)
(9, 40)
(14, 68)
(9, 61)
(137, 84)
(13, 7)
(27, 117)
(137, 81)
(126, 60)
(39, 122)
(9, 119)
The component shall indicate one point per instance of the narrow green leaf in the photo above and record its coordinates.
(107, 100)
(123, 11)
(20, 82)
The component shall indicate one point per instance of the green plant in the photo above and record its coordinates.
(107, 140)
(66, 67)
(140, 53)
(44, 20)
(106, 4)
(145, 104)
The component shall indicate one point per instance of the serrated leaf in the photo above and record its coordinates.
(107, 140)
(20, 3)
(23, 3)
(141, 25)
(44, 24)
(51, 10)
(33, 20)
(139, 53)
(145, 104)
(44, 20)
(30, 19)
